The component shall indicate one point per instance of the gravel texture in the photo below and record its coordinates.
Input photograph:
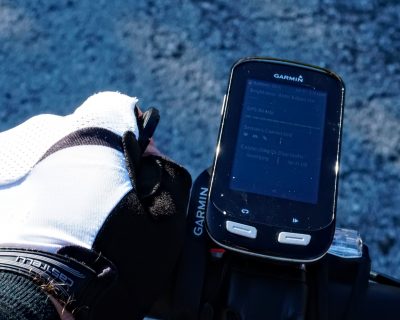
(176, 55)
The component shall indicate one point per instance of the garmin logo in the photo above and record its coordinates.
(200, 213)
(290, 78)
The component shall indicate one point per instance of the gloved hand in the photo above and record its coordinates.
(84, 216)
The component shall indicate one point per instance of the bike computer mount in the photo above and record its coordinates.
(273, 187)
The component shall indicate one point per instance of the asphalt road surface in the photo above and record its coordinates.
(176, 55)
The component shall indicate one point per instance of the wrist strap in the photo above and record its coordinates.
(76, 284)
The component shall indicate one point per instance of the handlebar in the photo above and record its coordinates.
(214, 284)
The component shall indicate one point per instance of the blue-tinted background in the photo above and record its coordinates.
(176, 55)
(279, 144)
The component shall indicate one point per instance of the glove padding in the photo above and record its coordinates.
(92, 191)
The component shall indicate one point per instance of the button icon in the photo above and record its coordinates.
(245, 211)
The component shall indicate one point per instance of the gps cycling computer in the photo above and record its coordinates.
(274, 181)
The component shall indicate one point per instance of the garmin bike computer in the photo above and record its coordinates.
(273, 187)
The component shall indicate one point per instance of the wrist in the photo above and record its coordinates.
(22, 299)
(62, 312)
(76, 278)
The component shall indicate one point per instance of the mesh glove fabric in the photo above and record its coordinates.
(78, 184)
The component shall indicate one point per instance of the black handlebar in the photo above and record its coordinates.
(214, 284)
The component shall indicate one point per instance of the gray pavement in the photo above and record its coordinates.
(176, 55)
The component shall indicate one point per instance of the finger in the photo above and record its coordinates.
(139, 112)
(153, 150)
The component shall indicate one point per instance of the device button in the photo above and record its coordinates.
(241, 229)
(298, 239)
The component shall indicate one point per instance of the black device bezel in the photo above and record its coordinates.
(310, 219)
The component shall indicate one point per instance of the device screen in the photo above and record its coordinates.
(279, 145)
